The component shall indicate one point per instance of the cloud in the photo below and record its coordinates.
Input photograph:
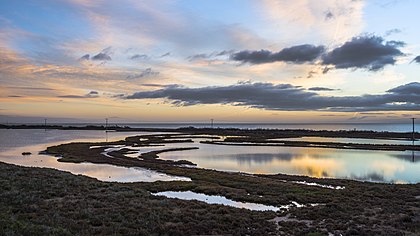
(296, 54)
(163, 24)
(391, 32)
(91, 94)
(360, 118)
(333, 20)
(139, 57)
(165, 55)
(104, 55)
(71, 96)
(371, 53)
(85, 57)
(367, 52)
(198, 57)
(160, 85)
(28, 88)
(205, 56)
(321, 89)
(146, 73)
(286, 97)
(225, 53)
(101, 57)
(416, 59)
(407, 89)
(329, 15)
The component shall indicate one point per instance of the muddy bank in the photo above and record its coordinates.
(339, 206)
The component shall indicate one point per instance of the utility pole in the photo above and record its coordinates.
(212, 123)
(413, 138)
(106, 124)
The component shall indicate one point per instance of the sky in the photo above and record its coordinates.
(277, 61)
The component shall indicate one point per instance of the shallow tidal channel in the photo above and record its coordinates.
(15, 142)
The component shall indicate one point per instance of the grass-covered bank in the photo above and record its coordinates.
(359, 208)
(49, 201)
(41, 201)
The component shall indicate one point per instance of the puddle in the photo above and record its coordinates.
(319, 185)
(210, 199)
(214, 199)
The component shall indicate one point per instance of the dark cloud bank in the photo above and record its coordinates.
(366, 52)
(296, 54)
(287, 97)
(321, 89)
(370, 53)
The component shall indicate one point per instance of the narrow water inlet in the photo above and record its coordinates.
(211, 199)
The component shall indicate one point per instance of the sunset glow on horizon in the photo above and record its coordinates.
(189, 61)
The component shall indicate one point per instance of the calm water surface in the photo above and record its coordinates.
(380, 166)
(14, 142)
(405, 126)
(212, 199)
(351, 140)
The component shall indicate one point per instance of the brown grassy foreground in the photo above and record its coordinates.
(44, 201)
(40, 201)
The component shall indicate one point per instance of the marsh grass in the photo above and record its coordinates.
(55, 202)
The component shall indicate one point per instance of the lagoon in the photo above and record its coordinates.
(14, 142)
(364, 165)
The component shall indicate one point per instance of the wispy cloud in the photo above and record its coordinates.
(28, 88)
(165, 54)
(210, 56)
(139, 57)
(335, 21)
(91, 94)
(146, 73)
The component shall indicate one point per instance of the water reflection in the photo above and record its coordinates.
(211, 199)
(23, 141)
(383, 166)
(258, 157)
(351, 140)
(410, 157)
(10, 138)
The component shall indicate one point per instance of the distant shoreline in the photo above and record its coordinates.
(287, 133)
